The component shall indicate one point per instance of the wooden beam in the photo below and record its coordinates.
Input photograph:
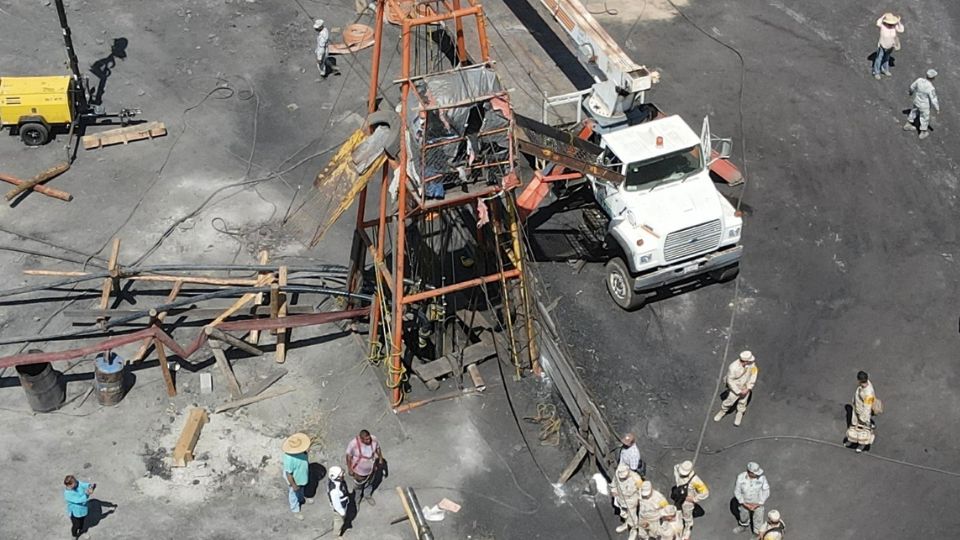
(124, 135)
(478, 382)
(220, 335)
(165, 369)
(112, 281)
(282, 333)
(225, 368)
(52, 172)
(260, 397)
(157, 320)
(183, 452)
(573, 465)
(262, 279)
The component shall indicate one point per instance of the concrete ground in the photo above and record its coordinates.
(850, 264)
(249, 124)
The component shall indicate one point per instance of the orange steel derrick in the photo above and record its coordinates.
(488, 177)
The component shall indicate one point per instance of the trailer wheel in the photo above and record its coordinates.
(726, 274)
(34, 134)
(620, 286)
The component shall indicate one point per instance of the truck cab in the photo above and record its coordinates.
(666, 216)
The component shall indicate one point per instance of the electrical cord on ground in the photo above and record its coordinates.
(743, 159)
(813, 440)
(605, 10)
(49, 256)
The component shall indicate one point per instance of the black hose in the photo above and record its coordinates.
(236, 291)
(133, 271)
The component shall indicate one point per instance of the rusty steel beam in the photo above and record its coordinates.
(508, 274)
(183, 352)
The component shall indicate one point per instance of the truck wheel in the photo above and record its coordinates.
(34, 134)
(620, 286)
(724, 275)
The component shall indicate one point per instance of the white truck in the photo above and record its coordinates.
(665, 214)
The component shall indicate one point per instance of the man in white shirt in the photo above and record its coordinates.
(323, 44)
(339, 498)
(924, 97)
(889, 25)
(751, 492)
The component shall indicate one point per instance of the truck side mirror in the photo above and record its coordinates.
(724, 149)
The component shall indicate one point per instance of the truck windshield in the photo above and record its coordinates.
(674, 166)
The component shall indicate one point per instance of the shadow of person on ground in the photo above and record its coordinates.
(316, 482)
(96, 512)
(103, 68)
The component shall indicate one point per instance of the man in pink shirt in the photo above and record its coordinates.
(890, 26)
(365, 463)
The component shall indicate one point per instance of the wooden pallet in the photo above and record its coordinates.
(124, 135)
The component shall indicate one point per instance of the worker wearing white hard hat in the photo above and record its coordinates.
(650, 508)
(924, 96)
(890, 26)
(751, 491)
(339, 498)
(688, 490)
(671, 527)
(323, 46)
(625, 489)
(773, 528)
(741, 377)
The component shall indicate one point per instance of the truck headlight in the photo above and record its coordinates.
(733, 233)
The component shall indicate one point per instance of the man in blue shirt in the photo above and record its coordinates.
(296, 469)
(77, 494)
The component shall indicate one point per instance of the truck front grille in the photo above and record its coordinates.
(692, 241)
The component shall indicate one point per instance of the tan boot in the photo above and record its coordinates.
(633, 535)
(924, 134)
(622, 528)
(909, 126)
(719, 416)
(738, 418)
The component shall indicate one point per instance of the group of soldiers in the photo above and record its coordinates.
(648, 514)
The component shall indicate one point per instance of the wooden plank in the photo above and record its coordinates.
(264, 384)
(158, 320)
(471, 355)
(220, 335)
(247, 401)
(109, 282)
(573, 465)
(124, 135)
(183, 452)
(263, 257)
(225, 369)
(282, 333)
(243, 300)
(165, 370)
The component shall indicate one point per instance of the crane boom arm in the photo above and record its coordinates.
(601, 53)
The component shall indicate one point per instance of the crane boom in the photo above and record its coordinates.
(623, 80)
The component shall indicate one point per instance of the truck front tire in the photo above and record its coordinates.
(34, 133)
(620, 286)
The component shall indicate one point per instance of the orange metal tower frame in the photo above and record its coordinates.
(468, 21)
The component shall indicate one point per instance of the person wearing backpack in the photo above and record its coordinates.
(865, 405)
(773, 528)
(687, 492)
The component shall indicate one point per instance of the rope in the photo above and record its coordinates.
(549, 424)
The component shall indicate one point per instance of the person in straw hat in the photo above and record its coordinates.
(890, 26)
(296, 469)
(650, 508)
(741, 377)
(625, 489)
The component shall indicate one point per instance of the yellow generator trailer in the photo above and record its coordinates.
(35, 105)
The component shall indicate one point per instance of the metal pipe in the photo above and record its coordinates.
(184, 353)
(420, 296)
(424, 532)
(71, 54)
